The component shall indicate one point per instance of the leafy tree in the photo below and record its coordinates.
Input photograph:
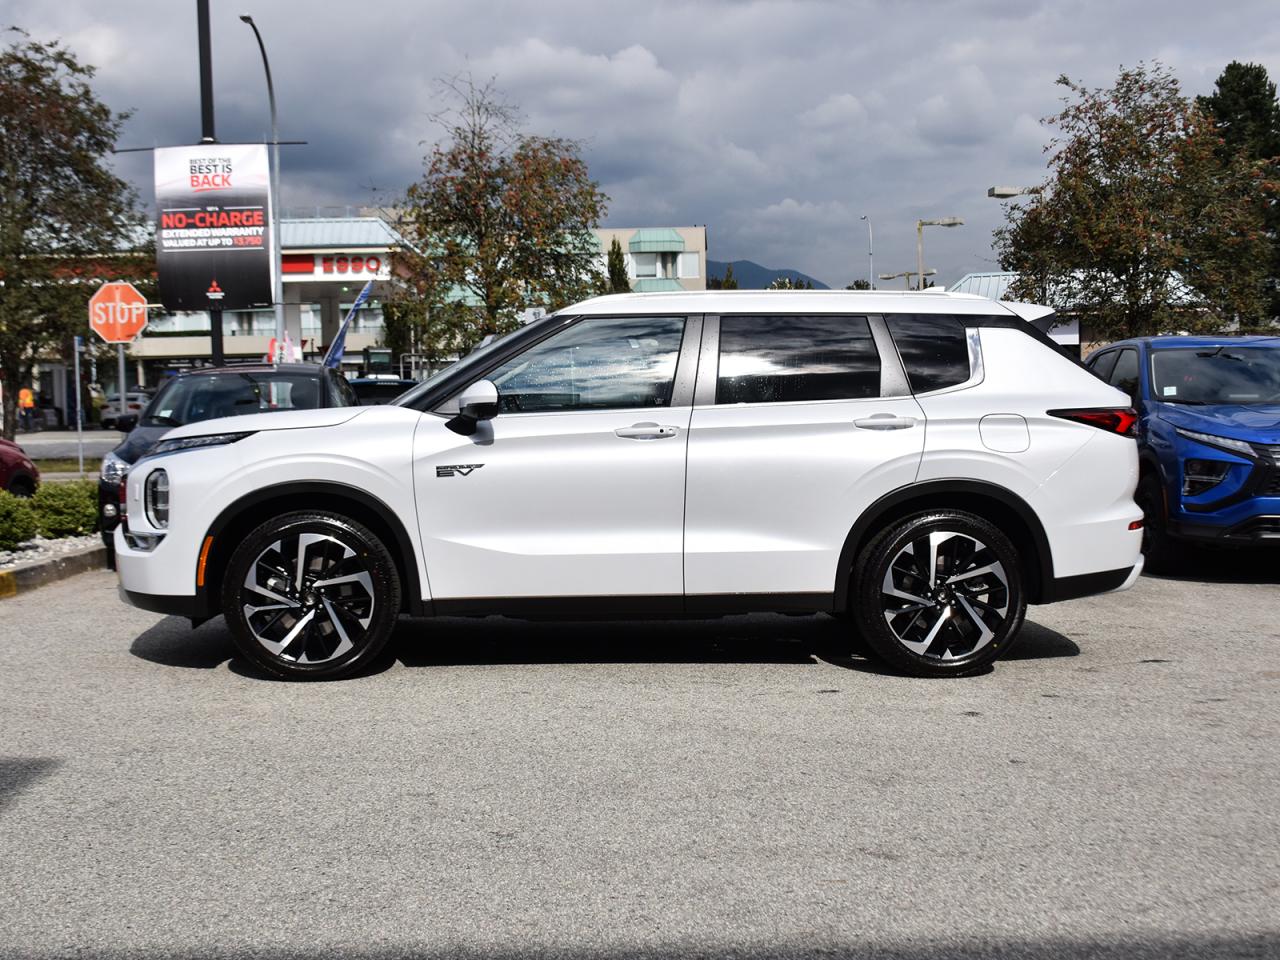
(499, 222)
(859, 285)
(727, 282)
(1140, 227)
(790, 283)
(63, 214)
(618, 280)
(1246, 113)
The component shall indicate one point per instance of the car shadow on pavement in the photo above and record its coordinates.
(19, 773)
(1238, 565)
(763, 638)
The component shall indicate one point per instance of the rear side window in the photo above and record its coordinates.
(934, 351)
(773, 359)
(1102, 366)
(1125, 375)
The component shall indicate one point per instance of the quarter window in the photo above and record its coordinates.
(1102, 366)
(1125, 375)
(598, 364)
(934, 351)
(771, 359)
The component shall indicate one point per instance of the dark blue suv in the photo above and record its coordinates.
(1208, 437)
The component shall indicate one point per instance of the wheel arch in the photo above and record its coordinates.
(237, 519)
(997, 504)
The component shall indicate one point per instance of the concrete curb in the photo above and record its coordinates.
(40, 572)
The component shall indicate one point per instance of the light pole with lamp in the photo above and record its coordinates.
(1005, 192)
(871, 254)
(906, 276)
(920, 225)
(278, 291)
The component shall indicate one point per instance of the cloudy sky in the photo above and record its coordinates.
(775, 124)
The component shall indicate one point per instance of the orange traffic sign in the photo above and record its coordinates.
(117, 312)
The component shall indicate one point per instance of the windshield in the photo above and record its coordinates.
(206, 396)
(1226, 374)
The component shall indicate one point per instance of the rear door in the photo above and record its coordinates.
(800, 422)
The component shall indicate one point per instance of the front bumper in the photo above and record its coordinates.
(195, 608)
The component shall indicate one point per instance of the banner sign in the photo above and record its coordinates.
(213, 227)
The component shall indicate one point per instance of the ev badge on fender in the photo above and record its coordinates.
(456, 469)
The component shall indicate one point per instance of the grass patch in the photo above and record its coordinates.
(68, 464)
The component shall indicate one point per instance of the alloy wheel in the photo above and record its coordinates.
(945, 595)
(308, 598)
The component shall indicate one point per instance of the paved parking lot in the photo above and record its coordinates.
(735, 788)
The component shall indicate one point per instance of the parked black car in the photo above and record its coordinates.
(205, 395)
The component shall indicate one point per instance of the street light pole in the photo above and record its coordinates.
(871, 254)
(278, 287)
(920, 225)
(206, 136)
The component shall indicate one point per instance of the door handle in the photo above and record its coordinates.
(885, 421)
(646, 431)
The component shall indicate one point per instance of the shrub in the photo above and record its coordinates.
(66, 509)
(17, 521)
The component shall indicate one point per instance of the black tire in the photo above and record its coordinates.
(301, 631)
(22, 487)
(1161, 553)
(963, 618)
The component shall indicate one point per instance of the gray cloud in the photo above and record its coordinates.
(776, 124)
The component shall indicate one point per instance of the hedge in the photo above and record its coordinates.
(66, 509)
(18, 522)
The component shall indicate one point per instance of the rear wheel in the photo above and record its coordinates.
(311, 596)
(939, 593)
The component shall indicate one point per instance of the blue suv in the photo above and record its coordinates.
(1208, 437)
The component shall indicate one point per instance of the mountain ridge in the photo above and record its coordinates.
(752, 276)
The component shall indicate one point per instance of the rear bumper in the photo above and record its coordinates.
(1090, 584)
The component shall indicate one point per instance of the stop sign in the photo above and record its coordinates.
(117, 312)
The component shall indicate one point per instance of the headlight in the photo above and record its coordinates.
(192, 443)
(1226, 443)
(113, 468)
(157, 498)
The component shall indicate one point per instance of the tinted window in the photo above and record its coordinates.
(773, 359)
(1125, 375)
(1102, 366)
(934, 351)
(597, 364)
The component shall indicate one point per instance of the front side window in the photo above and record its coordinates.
(934, 351)
(602, 363)
(1225, 374)
(773, 359)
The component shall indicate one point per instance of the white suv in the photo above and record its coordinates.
(927, 464)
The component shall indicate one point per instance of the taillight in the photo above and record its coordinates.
(1121, 420)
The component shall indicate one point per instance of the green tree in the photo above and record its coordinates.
(1140, 227)
(727, 282)
(618, 280)
(1246, 114)
(790, 283)
(499, 222)
(63, 214)
(859, 285)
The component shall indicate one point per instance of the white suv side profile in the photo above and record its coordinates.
(924, 464)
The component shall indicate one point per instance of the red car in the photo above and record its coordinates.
(18, 474)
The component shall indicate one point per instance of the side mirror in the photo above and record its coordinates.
(127, 422)
(477, 402)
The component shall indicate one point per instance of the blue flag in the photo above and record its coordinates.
(333, 358)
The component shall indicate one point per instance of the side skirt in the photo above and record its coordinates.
(632, 607)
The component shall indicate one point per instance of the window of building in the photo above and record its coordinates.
(598, 364)
(787, 358)
(934, 350)
(690, 269)
(646, 264)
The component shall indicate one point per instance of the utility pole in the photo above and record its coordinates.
(871, 254)
(208, 136)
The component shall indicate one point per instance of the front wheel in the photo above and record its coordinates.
(311, 596)
(939, 593)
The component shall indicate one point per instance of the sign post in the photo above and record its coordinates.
(118, 313)
(79, 346)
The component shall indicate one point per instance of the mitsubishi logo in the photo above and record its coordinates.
(458, 469)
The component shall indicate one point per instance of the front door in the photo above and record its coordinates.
(576, 488)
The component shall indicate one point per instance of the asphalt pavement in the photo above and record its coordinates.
(732, 788)
(50, 444)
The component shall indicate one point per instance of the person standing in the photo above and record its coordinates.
(26, 407)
